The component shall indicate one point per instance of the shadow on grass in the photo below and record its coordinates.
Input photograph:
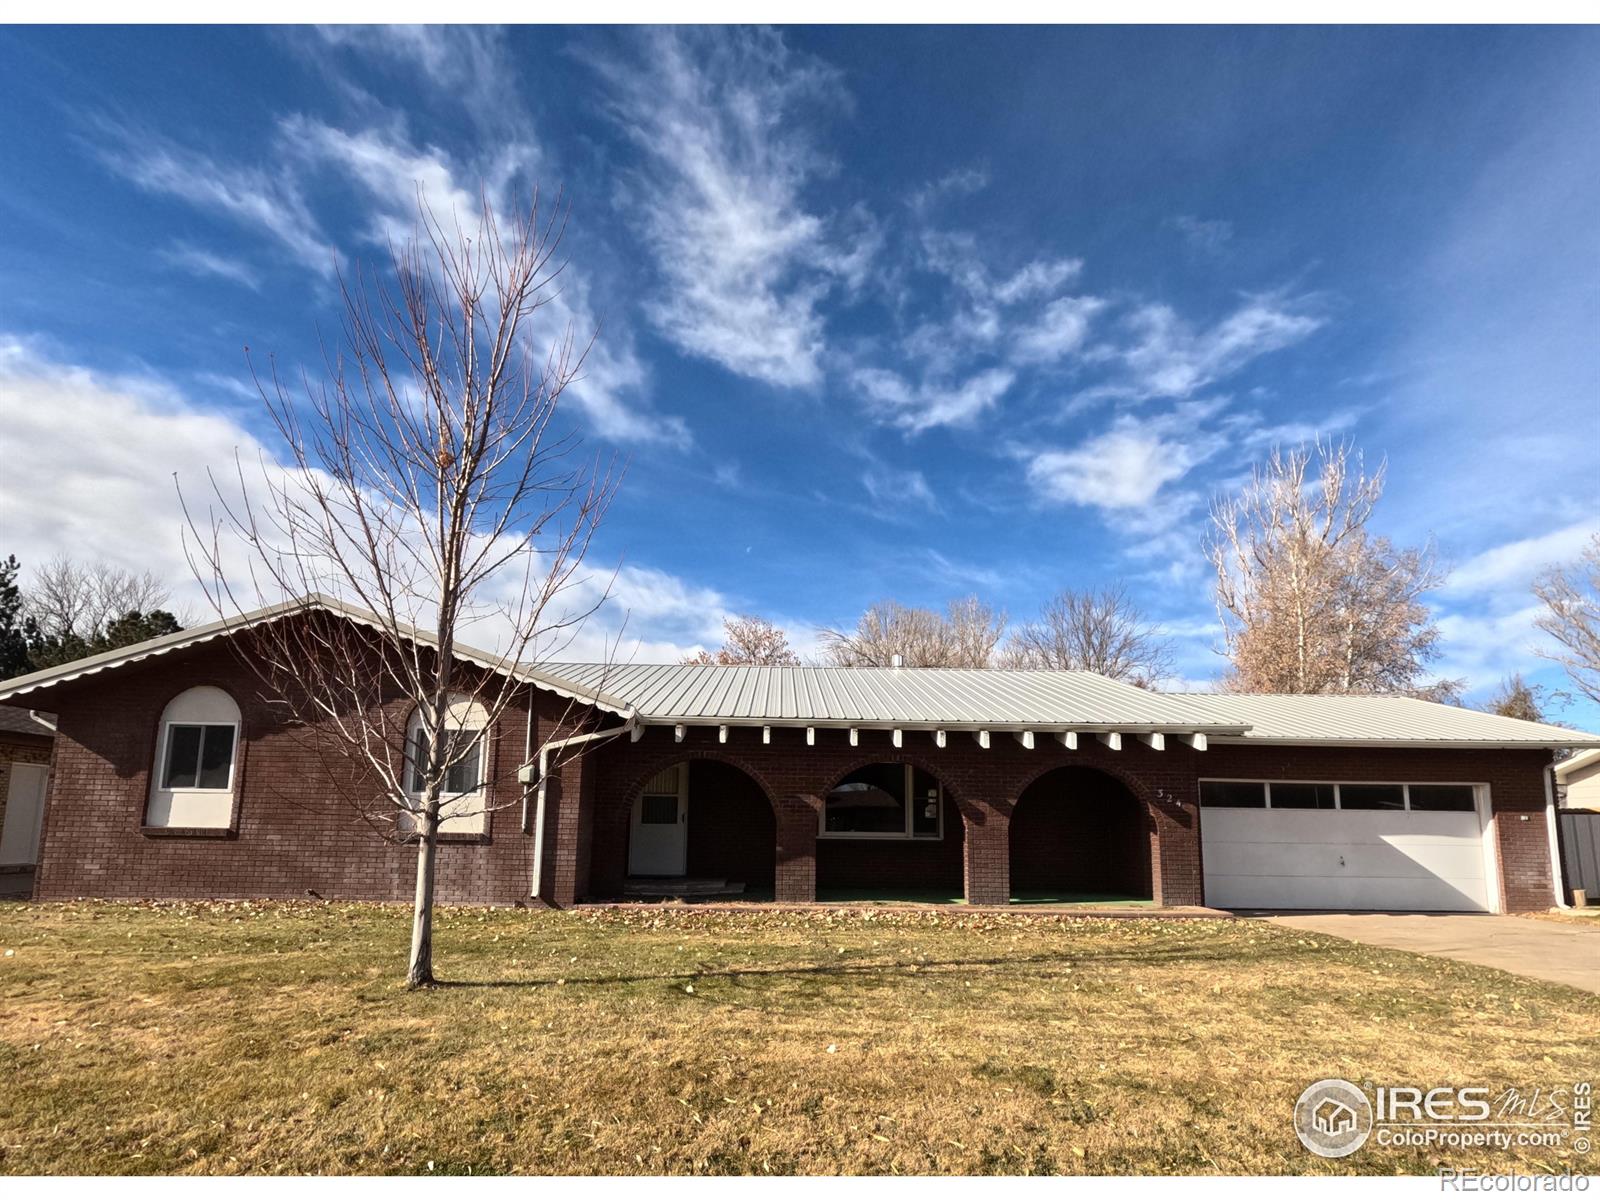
(1243, 957)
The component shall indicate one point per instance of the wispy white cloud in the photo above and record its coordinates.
(91, 461)
(1512, 565)
(197, 260)
(918, 407)
(966, 181)
(1061, 329)
(1207, 238)
(719, 198)
(1126, 466)
(1168, 356)
(892, 488)
(265, 202)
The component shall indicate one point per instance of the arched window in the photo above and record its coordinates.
(462, 805)
(885, 800)
(197, 747)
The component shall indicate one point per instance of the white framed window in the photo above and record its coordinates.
(1346, 797)
(884, 800)
(197, 749)
(463, 804)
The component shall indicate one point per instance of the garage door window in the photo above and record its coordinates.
(1348, 797)
(1391, 796)
(1441, 797)
(1303, 795)
(1228, 793)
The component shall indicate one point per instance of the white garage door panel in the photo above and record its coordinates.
(1399, 859)
(1346, 894)
(1294, 825)
(1300, 858)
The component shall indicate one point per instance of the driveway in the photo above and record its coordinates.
(1548, 950)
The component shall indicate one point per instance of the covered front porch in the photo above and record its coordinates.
(864, 817)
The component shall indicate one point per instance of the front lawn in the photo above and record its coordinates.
(274, 1038)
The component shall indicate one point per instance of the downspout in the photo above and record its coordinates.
(39, 719)
(1558, 875)
(604, 735)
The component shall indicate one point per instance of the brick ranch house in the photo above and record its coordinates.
(174, 777)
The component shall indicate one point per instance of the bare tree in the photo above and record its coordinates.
(1571, 596)
(1518, 698)
(1100, 630)
(1310, 601)
(428, 482)
(749, 641)
(67, 599)
(964, 635)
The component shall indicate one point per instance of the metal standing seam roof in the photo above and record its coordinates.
(905, 697)
(918, 697)
(1347, 720)
(22, 685)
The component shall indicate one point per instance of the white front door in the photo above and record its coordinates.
(659, 841)
(19, 840)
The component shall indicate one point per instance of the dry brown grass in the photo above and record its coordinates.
(274, 1038)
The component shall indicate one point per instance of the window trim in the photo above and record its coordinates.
(485, 733)
(907, 834)
(166, 750)
(1478, 790)
(158, 765)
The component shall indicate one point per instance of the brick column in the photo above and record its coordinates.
(796, 878)
(1175, 876)
(986, 860)
(569, 795)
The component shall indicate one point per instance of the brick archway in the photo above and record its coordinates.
(1079, 831)
(932, 867)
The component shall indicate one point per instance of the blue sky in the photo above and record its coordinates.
(884, 312)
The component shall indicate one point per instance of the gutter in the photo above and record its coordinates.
(537, 825)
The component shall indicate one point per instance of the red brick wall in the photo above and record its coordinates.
(294, 833)
(1080, 831)
(980, 788)
(732, 833)
(919, 865)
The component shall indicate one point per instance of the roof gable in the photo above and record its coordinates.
(38, 681)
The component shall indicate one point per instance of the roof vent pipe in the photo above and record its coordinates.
(897, 661)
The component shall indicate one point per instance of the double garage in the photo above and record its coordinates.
(1343, 846)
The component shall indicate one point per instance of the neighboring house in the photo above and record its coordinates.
(1578, 780)
(174, 778)
(24, 770)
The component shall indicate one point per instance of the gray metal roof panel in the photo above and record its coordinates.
(1378, 719)
(688, 693)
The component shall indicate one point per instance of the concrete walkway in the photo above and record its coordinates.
(1548, 950)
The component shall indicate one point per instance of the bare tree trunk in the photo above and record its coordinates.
(420, 972)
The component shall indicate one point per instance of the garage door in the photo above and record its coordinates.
(1335, 858)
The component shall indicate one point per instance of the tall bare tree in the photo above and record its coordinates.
(1571, 596)
(749, 641)
(1100, 630)
(428, 482)
(1310, 600)
(1516, 697)
(67, 598)
(75, 609)
(964, 635)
